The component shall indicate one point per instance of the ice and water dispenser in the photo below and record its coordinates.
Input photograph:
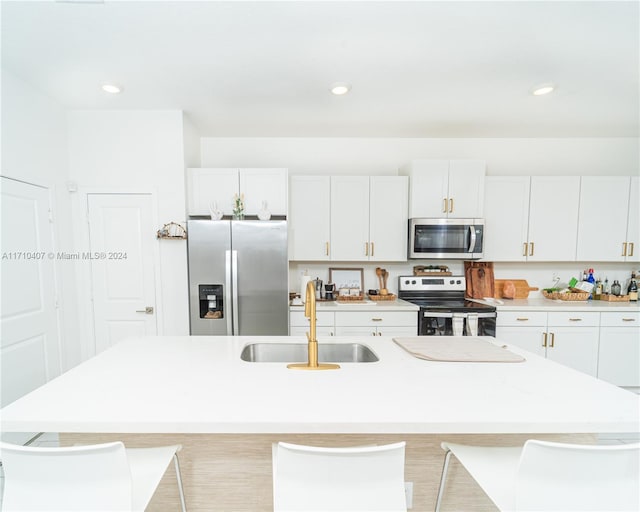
(211, 303)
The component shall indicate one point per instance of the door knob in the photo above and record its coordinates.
(147, 310)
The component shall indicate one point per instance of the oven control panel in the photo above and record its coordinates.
(433, 283)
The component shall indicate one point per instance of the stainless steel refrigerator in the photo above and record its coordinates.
(238, 277)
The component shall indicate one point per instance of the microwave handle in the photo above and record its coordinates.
(472, 233)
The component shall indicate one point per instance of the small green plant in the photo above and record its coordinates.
(238, 206)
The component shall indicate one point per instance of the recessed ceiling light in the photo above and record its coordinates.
(111, 88)
(340, 88)
(542, 89)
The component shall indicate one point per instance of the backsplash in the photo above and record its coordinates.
(539, 275)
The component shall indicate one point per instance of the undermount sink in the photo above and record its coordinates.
(297, 353)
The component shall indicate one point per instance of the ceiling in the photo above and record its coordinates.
(417, 69)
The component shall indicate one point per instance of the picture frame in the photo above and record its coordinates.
(347, 278)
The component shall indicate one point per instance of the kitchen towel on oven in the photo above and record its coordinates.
(468, 349)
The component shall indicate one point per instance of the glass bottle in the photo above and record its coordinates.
(633, 288)
(607, 287)
(615, 288)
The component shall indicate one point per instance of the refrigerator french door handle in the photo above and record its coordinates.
(472, 244)
(234, 277)
(227, 291)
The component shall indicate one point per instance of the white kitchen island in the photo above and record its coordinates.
(227, 412)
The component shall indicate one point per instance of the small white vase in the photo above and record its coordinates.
(264, 214)
(216, 214)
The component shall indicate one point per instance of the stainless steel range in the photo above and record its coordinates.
(444, 311)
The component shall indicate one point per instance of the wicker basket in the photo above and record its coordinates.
(390, 296)
(350, 298)
(570, 296)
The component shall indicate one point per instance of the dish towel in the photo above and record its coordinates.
(457, 349)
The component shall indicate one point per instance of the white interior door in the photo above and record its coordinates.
(29, 347)
(121, 237)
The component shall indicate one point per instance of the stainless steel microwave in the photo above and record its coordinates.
(446, 238)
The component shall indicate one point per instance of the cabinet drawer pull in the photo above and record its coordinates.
(544, 339)
(553, 340)
(450, 205)
(444, 205)
(575, 319)
(630, 249)
(522, 319)
(628, 319)
(624, 249)
(376, 319)
(372, 247)
(366, 248)
(530, 248)
(524, 249)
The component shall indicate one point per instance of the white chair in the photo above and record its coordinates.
(84, 478)
(364, 478)
(545, 476)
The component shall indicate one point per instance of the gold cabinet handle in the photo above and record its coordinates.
(553, 340)
(522, 319)
(544, 339)
(444, 205)
(630, 249)
(531, 248)
(628, 319)
(372, 248)
(326, 248)
(450, 205)
(376, 319)
(575, 319)
(524, 249)
(624, 249)
(366, 248)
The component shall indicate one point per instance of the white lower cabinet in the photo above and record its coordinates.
(567, 337)
(374, 323)
(619, 354)
(299, 324)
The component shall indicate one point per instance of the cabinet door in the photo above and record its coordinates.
(575, 347)
(602, 230)
(268, 185)
(528, 338)
(633, 227)
(618, 356)
(466, 188)
(506, 217)
(428, 187)
(309, 218)
(553, 218)
(388, 217)
(204, 186)
(350, 218)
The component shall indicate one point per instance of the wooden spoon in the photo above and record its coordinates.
(385, 275)
(379, 272)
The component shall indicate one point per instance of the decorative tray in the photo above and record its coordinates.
(350, 298)
(389, 296)
(570, 296)
(614, 298)
(431, 270)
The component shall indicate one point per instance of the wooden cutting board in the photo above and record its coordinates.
(522, 288)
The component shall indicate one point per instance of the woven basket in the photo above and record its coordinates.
(570, 296)
(390, 296)
(350, 298)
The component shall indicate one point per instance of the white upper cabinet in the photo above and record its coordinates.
(445, 188)
(603, 219)
(506, 217)
(309, 221)
(553, 218)
(388, 218)
(633, 226)
(348, 218)
(219, 185)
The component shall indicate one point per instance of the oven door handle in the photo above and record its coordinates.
(436, 314)
(472, 233)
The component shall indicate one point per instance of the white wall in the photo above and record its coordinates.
(35, 150)
(138, 151)
(380, 156)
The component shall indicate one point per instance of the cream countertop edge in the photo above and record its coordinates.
(543, 304)
(395, 305)
(200, 385)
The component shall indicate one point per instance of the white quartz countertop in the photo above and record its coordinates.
(544, 304)
(367, 305)
(200, 385)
